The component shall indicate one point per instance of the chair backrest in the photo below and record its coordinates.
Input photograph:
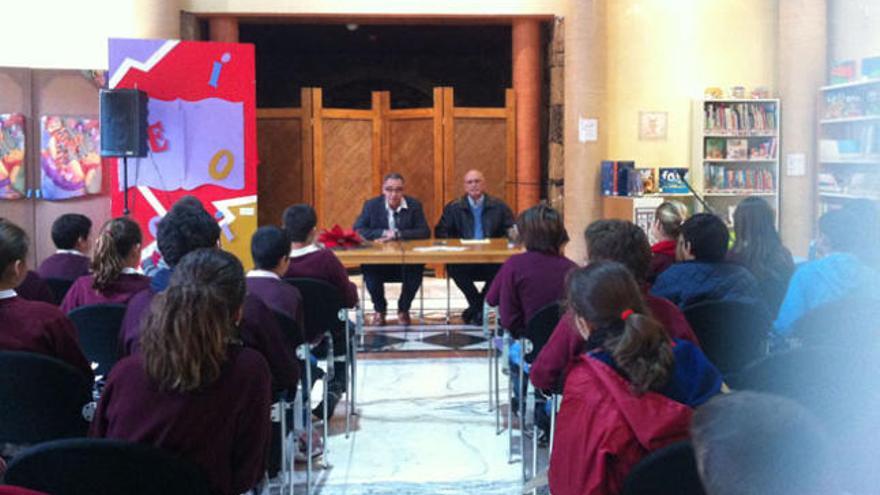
(540, 327)
(732, 334)
(290, 329)
(671, 470)
(321, 304)
(98, 326)
(100, 466)
(59, 288)
(846, 322)
(41, 398)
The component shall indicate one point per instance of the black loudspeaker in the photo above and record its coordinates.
(123, 123)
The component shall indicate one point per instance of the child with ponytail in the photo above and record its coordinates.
(114, 277)
(631, 393)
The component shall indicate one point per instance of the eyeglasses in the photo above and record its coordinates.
(393, 189)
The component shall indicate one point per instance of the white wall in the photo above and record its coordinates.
(371, 7)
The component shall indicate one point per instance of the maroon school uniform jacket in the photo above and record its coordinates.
(322, 264)
(64, 266)
(526, 283)
(603, 430)
(278, 295)
(566, 343)
(33, 288)
(258, 329)
(39, 327)
(224, 427)
(119, 291)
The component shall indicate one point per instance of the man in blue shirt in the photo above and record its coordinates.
(476, 215)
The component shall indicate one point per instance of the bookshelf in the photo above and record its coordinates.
(736, 152)
(849, 143)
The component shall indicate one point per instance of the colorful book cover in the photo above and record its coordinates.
(648, 178)
(715, 148)
(609, 173)
(737, 149)
(70, 161)
(11, 156)
(672, 180)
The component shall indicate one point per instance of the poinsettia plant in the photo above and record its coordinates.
(337, 237)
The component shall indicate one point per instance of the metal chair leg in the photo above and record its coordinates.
(448, 298)
(488, 349)
(554, 405)
(328, 377)
(303, 352)
(504, 356)
(522, 407)
(348, 358)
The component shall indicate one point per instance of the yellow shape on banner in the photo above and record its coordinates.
(227, 168)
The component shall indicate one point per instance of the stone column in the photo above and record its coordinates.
(223, 29)
(803, 43)
(527, 85)
(585, 96)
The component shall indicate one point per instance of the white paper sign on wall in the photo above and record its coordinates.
(588, 129)
(795, 165)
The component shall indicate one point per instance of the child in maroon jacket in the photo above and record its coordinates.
(31, 326)
(70, 234)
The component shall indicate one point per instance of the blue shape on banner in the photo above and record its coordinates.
(217, 67)
(227, 232)
(202, 143)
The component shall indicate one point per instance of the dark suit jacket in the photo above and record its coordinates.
(374, 219)
(457, 220)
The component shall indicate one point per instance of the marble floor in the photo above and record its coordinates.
(424, 428)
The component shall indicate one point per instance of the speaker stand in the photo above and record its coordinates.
(125, 210)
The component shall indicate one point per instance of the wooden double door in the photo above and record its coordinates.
(335, 158)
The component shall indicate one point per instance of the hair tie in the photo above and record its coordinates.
(626, 314)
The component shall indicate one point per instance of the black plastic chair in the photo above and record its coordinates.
(540, 327)
(98, 326)
(732, 334)
(291, 330)
(104, 467)
(843, 323)
(59, 288)
(671, 470)
(321, 304)
(41, 398)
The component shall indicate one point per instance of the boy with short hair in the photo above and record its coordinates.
(701, 273)
(269, 249)
(70, 234)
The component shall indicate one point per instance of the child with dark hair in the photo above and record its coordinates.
(269, 249)
(308, 259)
(703, 274)
(633, 391)
(311, 260)
(34, 288)
(843, 272)
(759, 248)
(187, 227)
(114, 277)
(195, 389)
(666, 227)
(607, 240)
(70, 234)
(32, 326)
(529, 281)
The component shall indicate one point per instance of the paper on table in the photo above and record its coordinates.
(429, 249)
(475, 241)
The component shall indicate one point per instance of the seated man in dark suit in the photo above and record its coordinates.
(392, 217)
(476, 215)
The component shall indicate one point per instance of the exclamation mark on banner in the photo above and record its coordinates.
(215, 71)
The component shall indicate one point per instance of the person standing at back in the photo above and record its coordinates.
(392, 217)
(476, 215)
(70, 234)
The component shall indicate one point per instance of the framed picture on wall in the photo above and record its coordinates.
(11, 156)
(652, 125)
(70, 163)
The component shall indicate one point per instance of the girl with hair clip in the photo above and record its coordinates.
(207, 396)
(667, 225)
(114, 277)
(759, 249)
(631, 393)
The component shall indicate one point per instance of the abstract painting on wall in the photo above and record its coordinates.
(70, 160)
(11, 156)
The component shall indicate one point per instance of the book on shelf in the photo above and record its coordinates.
(739, 118)
(715, 148)
(720, 179)
(619, 177)
(672, 180)
(648, 179)
(843, 72)
(871, 67)
(737, 149)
